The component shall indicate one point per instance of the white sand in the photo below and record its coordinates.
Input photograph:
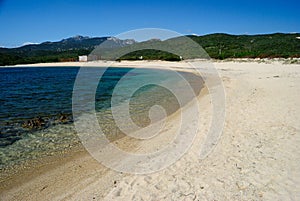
(257, 157)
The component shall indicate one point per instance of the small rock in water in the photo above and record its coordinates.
(34, 123)
(63, 118)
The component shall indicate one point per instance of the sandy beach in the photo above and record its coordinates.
(256, 158)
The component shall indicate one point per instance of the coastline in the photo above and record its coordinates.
(160, 63)
(262, 112)
(56, 173)
(24, 174)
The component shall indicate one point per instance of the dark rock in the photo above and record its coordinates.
(35, 123)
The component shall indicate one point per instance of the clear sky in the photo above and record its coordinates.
(52, 20)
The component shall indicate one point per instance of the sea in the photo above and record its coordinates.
(36, 118)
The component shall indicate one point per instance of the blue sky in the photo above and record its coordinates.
(44, 20)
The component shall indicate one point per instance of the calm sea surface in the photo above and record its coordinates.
(36, 106)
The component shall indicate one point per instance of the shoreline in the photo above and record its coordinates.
(20, 174)
(34, 172)
(256, 158)
(150, 63)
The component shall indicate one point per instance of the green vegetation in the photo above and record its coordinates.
(149, 54)
(40, 57)
(221, 46)
(218, 46)
(64, 50)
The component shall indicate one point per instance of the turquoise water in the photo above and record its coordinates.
(36, 106)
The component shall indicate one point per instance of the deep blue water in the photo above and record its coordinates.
(36, 105)
(29, 93)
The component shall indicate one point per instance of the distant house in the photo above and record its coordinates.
(83, 58)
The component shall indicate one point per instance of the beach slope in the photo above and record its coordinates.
(257, 156)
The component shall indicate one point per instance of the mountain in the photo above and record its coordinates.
(65, 50)
(219, 46)
(254, 46)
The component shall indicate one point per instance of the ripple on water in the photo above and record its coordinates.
(36, 108)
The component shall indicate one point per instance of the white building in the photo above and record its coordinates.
(83, 58)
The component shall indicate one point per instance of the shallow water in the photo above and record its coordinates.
(36, 105)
